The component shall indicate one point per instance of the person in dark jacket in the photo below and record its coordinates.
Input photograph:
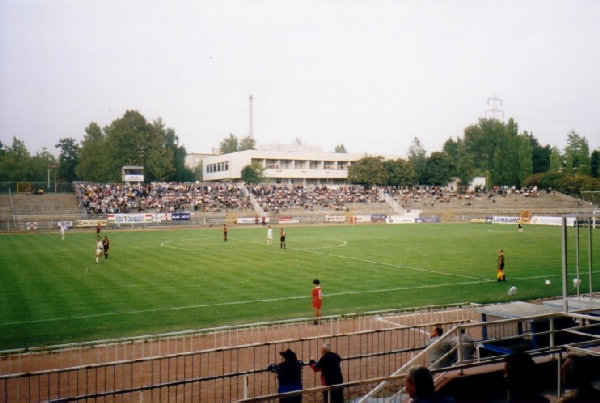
(289, 375)
(521, 377)
(331, 373)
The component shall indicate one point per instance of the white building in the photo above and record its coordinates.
(283, 163)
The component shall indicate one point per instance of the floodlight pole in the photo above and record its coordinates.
(577, 254)
(564, 264)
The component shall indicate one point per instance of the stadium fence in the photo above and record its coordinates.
(218, 364)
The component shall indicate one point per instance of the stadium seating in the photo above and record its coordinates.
(162, 197)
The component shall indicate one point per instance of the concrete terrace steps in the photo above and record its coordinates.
(47, 204)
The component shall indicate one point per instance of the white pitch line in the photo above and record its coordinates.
(267, 300)
(389, 322)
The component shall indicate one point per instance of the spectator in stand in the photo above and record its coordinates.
(420, 387)
(521, 378)
(577, 372)
(289, 375)
(331, 373)
(439, 356)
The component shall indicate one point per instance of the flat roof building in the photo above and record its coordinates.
(283, 163)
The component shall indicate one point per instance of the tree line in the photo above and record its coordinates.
(99, 157)
(491, 149)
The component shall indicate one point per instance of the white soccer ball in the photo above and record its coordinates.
(547, 282)
(576, 282)
(512, 290)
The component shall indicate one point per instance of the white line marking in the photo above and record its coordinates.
(389, 322)
(269, 300)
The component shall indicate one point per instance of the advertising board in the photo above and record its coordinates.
(428, 220)
(31, 225)
(378, 217)
(90, 223)
(543, 220)
(357, 219)
(335, 218)
(288, 220)
(399, 219)
(180, 216)
(67, 224)
(505, 220)
(129, 218)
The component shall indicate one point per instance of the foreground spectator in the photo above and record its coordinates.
(577, 372)
(289, 375)
(331, 373)
(521, 377)
(420, 387)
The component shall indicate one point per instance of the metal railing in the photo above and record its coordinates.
(185, 367)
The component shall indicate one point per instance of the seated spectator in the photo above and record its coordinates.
(420, 387)
(439, 356)
(577, 372)
(521, 379)
(289, 375)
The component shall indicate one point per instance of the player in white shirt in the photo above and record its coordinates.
(62, 230)
(99, 250)
(270, 236)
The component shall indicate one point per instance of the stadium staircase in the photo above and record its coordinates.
(44, 209)
(257, 208)
(391, 202)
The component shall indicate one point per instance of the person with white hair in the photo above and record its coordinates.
(331, 372)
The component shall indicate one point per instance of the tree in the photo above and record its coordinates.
(555, 159)
(340, 148)
(417, 156)
(229, 144)
(577, 155)
(465, 165)
(93, 159)
(68, 158)
(525, 160)
(247, 143)
(400, 172)
(540, 156)
(594, 164)
(368, 171)
(451, 150)
(15, 163)
(438, 169)
(252, 173)
(38, 169)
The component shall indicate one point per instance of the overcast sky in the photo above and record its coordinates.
(369, 74)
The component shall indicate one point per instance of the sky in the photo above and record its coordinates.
(369, 74)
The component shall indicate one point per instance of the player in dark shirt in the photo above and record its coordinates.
(105, 246)
(282, 239)
(224, 232)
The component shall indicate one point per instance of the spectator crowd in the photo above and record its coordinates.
(278, 198)
(161, 197)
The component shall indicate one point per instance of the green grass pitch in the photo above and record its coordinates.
(166, 280)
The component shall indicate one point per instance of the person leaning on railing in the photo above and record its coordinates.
(289, 375)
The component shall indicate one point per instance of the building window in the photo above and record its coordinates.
(328, 165)
(284, 164)
(341, 165)
(313, 164)
(272, 164)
